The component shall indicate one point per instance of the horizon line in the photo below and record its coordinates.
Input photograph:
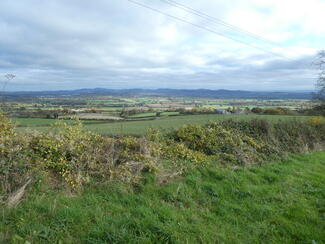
(157, 89)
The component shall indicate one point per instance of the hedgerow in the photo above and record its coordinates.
(70, 156)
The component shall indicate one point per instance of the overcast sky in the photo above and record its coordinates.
(71, 44)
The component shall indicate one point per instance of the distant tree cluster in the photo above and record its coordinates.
(196, 110)
(274, 111)
(23, 112)
(130, 112)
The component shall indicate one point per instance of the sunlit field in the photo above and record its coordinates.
(141, 127)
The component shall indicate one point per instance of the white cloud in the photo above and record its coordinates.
(167, 33)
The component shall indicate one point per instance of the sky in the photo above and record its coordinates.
(72, 44)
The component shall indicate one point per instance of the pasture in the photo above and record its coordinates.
(35, 122)
(32, 122)
(163, 123)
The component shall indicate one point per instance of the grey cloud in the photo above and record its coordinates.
(74, 44)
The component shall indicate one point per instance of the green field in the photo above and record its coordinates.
(143, 115)
(280, 202)
(169, 113)
(163, 123)
(34, 122)
(168, 123)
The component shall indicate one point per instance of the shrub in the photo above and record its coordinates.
(14, 159)
(6, 128)
(251, 142)
(257, 110)
(317, 121)
(179, 151)
(72, 156)
(218, 141)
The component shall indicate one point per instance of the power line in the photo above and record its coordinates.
(218, 21)
(205, 28)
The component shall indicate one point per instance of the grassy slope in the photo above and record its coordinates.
(31, 122)
(36, 121)
(276, 203)
(168, 123)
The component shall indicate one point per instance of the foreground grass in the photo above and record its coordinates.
(280, 202)
(164, 123)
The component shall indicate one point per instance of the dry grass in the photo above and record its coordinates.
(15, 198)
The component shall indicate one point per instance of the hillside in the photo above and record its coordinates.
(280, 202)
(202, 183)
(198, 93)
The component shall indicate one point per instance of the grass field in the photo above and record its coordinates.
(280, 202)
(164, 123)
(169, 113)
(168, 123)
(35, 121)
(143, 115)
(32, 122)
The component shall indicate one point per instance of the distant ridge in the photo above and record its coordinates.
(195, 93)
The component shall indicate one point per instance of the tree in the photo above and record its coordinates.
(320, 85)
(7, 78)
(319, 96)
(257, 110)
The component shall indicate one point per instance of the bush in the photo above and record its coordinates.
(70, 156)
(317, 121)
(221, 143)
(251, 142)
(274, 111)
(14, 158)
